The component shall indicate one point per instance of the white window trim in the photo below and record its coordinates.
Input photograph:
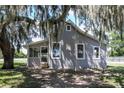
(67, 29)
(99, 52)
(59, 50)
(83, 51)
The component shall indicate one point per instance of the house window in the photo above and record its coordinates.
(80, 51)
(68, 27)
(31, 52)
(34, 52)
(44, 54)
(44, 50)
(56, 51)
(96, 52)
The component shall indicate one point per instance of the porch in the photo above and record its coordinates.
(38, 55)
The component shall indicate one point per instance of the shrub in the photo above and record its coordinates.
(19, 55)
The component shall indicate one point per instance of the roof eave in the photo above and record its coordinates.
(34, 43)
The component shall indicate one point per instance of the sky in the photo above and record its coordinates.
(72, 18)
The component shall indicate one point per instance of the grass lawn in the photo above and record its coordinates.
(113, 76)
(12, 78)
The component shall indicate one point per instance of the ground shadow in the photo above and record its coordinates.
(42, 78)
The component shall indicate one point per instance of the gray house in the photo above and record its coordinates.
(74, 49)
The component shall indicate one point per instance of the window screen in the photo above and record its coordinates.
(44, 50)
(44, 54)
(31, 52)
(34, 52)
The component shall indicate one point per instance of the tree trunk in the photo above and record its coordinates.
(7, 49)
(8, 55)
(8, 61)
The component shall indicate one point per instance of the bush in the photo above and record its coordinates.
(117, 52)
(19, 55)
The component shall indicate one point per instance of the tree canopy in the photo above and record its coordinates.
(116, 44)
(102, 18)
(21, 22)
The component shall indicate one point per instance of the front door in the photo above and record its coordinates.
(44, 56)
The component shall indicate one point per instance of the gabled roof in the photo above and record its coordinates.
(80, 30)
(72, 24)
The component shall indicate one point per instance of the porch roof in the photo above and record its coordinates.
(33, 43)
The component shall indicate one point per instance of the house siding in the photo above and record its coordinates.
(68, 59)
(68, 40)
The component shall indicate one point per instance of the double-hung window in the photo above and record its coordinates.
(96, 52)
(68, 27)
(80, 51)
(56, 50)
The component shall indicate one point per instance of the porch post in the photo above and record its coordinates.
(49, 49)
(28, 56)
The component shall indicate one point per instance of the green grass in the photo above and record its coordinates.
(12, 78)
(116, 68)
(116, 74)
